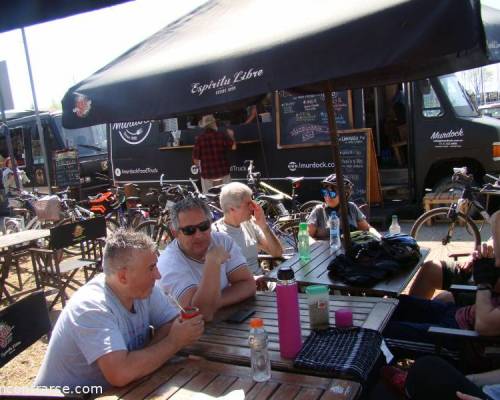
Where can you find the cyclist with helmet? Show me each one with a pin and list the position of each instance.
(318, 219)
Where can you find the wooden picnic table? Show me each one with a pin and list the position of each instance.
(11, 244)
(187, 378)
(228, 342)
(315, 272)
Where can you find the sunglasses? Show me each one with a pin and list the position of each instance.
(328, 192)
(191, 229)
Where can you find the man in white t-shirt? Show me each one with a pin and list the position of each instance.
(102, 337)
(245, 222)
(202, 268)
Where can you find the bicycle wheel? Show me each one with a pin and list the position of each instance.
(308, 206)
(160, 233)
(453, 237)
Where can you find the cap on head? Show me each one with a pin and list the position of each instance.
(208, 121)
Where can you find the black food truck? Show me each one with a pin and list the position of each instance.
(409, 136)
(90, 143)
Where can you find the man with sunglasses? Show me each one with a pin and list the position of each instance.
(202, 268)
(318, 219)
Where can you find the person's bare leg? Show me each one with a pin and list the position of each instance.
(428, 279)
(444, 296)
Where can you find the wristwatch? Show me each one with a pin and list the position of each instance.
(484, 286)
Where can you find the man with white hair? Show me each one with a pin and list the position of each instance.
(245, 222)
(102, 337)
(210, 153)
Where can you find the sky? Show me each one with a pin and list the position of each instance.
(65, 51)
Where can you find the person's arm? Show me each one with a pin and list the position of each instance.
(363, 225)
(495, 235)
(252, 116)
(230, 134)
(122, 367)
(242, 287)
(206, 296)
(269, 242)
(485, 378)
(487, 321)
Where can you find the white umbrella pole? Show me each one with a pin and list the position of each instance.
(47, 162)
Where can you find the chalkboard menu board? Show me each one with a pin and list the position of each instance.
(66, 168)
(355, 157)
(303, 121)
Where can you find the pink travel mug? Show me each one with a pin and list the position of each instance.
(343, 318)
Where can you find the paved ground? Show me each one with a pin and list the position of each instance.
(432, 236)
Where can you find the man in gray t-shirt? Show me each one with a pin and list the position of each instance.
(102, 337)
(245, 222)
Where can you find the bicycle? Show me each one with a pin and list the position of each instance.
(461, 234)
(159, 229)
(273, 204)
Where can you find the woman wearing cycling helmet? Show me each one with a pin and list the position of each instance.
(318, 219)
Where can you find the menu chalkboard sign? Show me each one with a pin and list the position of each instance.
(355, 157)
(303, 121)
(66, 168)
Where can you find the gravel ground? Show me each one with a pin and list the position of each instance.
(22, 370)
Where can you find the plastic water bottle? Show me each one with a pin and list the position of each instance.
(288, 313)
(394, 228)
(303, 238)
(261, 364)
(334, 224)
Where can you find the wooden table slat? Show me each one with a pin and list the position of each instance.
(182, 378)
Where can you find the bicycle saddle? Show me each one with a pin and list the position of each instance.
(295, 179)
(272, 197)
(215, 189)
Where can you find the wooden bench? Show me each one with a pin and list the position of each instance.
(440, 199)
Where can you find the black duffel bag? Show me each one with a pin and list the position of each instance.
(375, 260)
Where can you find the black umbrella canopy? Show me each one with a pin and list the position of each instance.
(226, 51)
(21, 13)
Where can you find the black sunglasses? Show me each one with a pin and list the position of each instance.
(191, 229)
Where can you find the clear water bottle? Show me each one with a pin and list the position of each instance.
(303, 238)
(261, 364)
(394, 228)
(334, 224)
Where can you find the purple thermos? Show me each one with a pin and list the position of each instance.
(288, 313)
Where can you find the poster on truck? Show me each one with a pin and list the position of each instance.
(134, 151)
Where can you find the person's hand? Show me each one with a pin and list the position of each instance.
(258, 213)
(230, 133)
(185, 332)
(483, 251)
(463, 396)
(466, 265)
(217, 255)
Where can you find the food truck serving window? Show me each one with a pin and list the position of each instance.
(458, 98)
(431, 106)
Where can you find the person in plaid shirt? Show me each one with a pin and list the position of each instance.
(210, 153)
